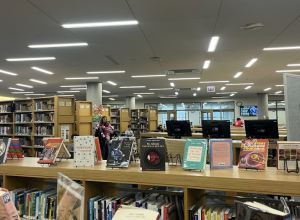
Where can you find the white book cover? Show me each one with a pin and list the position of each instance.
(84, 151)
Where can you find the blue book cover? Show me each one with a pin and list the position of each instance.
(40, 199)
(195, 154)
(91, 206)
(220, 151)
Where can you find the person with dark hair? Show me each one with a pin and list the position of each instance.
(70, 147)
(238, 123)
(103, 131)
(159, 128)
(129, 132)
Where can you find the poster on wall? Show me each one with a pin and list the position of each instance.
(65, 132)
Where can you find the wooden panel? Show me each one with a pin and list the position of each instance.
(85, 129)
(191, 197)
(125, 114)
(15, 182)
(124, 126)
(64, 107)
(86, 119)
(106, 112)
(66, 119)
(153, 114)
(153, 125)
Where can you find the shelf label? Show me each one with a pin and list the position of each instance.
(87, 107)
(60, 103)
(124, 110)
(81, 106)
(69, 104)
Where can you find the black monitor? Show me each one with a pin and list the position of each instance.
(261, 129)
(179, 128)
(216, 128)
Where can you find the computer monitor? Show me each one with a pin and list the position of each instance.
(261, 129)
(179, 128)
(216, 128)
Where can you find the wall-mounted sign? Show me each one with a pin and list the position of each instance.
(211, 89)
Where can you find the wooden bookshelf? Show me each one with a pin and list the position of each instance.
(84, 118)
(152, 119)
(106, 112)
(19, 173)
(115, 119)
(134, 121)
(124, 119)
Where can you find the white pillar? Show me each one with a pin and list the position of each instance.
(262, 105)
(94, 92)
(130, 102)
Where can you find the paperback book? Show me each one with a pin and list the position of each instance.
(220, 151)
(153, 154)
(84, 151)
(4, 145)
(289, 151)
(15, 150)
(98, 149)
(195, 154)
(8, 210)
(51, 151)
(119, 154)
(254, 154)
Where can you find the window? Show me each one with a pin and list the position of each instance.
(162, 109)
(189, 111)
(115, 105)
(221, 110)
(276, 110)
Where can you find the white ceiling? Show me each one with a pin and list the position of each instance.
(176, 30)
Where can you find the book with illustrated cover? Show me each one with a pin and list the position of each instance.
(4, 146)
(15, 150)
(195, 154)
(220, 153)
(119, 153)
(289, 150)
(51, 151)
(254, 154)
(84, 151)
(8, 210)
(153, 154)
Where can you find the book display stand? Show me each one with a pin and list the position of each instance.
(176, 158)
(287, 169)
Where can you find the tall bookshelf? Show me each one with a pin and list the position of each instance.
(115, 119)
(153, 119)
(6, 119)
(84, 118)
(106, 112)
(124, 119)
(134, 121)
(147, 120)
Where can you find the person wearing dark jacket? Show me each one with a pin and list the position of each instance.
(103, 131)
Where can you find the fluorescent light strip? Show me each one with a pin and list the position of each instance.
(65, 95)
(15, 89)
(220, 97)
(112, 83)
(213, 44)
(267, 89)
(162, 89)
(82, 78)
(282, 48)
(294, 64)
(278, 92)
(33, 94)
(176, 93)
(251, 62)
(24, 85)
(248, 87)
(172, 84)
(31, 59)
(279, 85)
(220, 93)
(111, 99)
(213, 81)
(232, 95)
(67, 91)
(206, 64)
(168, 97)
(105, 91)
(131, 87)
(100, 24)
(141, 76)
(139, 96)
(8, 73)
(103, 72)
(107, 96)
(77, 88)
(238, 74)
(74, 86)
(223, 88)
(184, 78)
(282, 101)
(198, 89)
(21, 92)
(287, 71)
(239, 84)
(41, 70)
(57, 45)
(144, 93)
(194, 94)
(37, 81)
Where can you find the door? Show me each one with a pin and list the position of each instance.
(207, 114)
(172, 115)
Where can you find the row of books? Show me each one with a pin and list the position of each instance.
(134, 120)
(114, 113)
(210, 213)
(5, 108)
(22, 107)
(115, 120)
(143, 120)
(41, 106)
(25, 141)
(19, 130)
(168, 207)
(39, 117)
(134, 113)
(38, 142)
(134, 126)
(144, 126)
(23, 118)
(6, 130)
(44, 130)
(144, 114)
(5, 118)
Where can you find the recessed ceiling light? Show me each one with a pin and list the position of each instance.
(176, 93)
(294, 64)
(213, 44)
(141, 76)
(279, 85)
(223, 88)
(267, 89)
(41, 70)
(111, 99)
(232, 95)
(162, 89)
(82, 78)
(139, 96)
(213, 81)
(287, 71)
(278, 92)
(57, 45)
(112, 83)
(248, 87)
(251, 62)
(24, 85)
(198, 89)
(105, 91)
(78, 88)
(184, 78)
(103, 72)
(31, 59)
(239, 84)
(21, 92)
(15, 89)
(206, 64)
(172, 84)
(144, 93)
(8, 73)
(74, 86)
(194, 94)
(131, 87)
(107, 96)
(238, 74)
(282, 48)
(33, 94)
(67, 91)
(100, 24)
(37, 81)
(219, 93)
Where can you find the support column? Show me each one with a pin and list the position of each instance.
(94, 92)
(130, 102)
(262, 105)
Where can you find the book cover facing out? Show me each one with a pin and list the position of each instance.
(15, 150)
(153, 154)
(51, 151)
(195, 154)
(220, 153)
(8, 210)
(84, 151)
(4, 145)
(289, 150)
(254, 154)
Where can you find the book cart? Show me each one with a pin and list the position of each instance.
(98, 180)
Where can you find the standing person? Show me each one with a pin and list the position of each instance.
(129, 132)
(238, 123)
(103, 133)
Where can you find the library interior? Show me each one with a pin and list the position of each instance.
(148, 109)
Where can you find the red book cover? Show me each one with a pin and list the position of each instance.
(98, 150)
(51, 150)
(254, 154)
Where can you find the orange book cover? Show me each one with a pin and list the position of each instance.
(98, 150)
(254, 154)
(15, 150)
(51, 150)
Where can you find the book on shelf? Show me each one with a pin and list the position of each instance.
(19, 118)
(40, 117)
(98, 149)
(4, 146)
(51, 151)
(84, 151)
(153, 154)
(44, 130)
(6, 130)
(22, 107)
(220, 153)
(15, 150)
(289, 151)
(119, 153)
(42, 105)
(23, 130)
(5, 108)
(5, 119)
(254, 154)
(8, 210)
(134, 114)
(195, 153)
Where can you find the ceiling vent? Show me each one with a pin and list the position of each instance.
(252, 26)
(180, 72)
